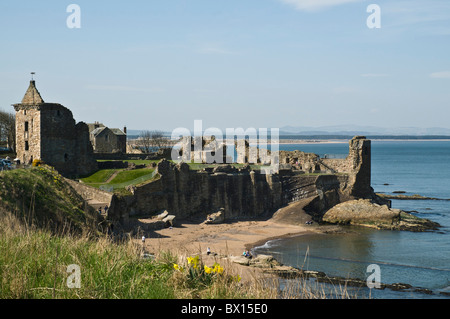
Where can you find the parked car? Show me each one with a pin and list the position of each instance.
(5, 164)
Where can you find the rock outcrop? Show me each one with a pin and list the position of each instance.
(364, 212)
(216, 218)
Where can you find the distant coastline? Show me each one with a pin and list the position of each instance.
(338, 141)
(331, 138)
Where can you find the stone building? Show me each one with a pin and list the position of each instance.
(107, 140)
(48, 132)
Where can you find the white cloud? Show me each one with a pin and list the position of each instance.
(430, 15)
(314, 5)
(440, 75)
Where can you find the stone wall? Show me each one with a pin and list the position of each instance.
(89, 193)
(186, 193)
(243, 193)
(357, 165)
(240, 192)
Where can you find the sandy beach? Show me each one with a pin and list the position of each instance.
(188, 237)
(230, 238)
(224, 240)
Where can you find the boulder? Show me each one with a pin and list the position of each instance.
(364, 212)
(216, 218)
(264, 261)
(163, 215)
(169, 220)
(361, 212)
(241, 260)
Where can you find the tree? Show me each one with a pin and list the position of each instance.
(151, 141)
(8, 129)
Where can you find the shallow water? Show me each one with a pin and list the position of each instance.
(419, 259)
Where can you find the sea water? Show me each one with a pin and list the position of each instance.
(419, 259)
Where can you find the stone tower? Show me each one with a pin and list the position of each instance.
(359, 160)
(48, 132)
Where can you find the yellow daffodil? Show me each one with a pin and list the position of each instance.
(218, 269)
(194, 261)
(208, 270)
(177, 267)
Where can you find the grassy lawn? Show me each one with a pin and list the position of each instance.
(127, 176)
(137, 162)
(199, 166)
(121, 180)
(99, 177)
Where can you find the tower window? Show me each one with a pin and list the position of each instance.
(26, 126)
(66, 157)
(27, 147)
(58, 112)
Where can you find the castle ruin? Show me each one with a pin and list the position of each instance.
(243, 192)
(48, 132)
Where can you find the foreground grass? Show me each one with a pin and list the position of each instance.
(34, 264)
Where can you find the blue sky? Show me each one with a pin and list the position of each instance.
(160, 64)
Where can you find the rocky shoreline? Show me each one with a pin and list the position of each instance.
(400, 196)
(269, 265)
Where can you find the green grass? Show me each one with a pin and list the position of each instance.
(121, 180)
(99, 177)
(34, 265)
(200, 166)
(137, 162)
(23, 190)
(127, 176)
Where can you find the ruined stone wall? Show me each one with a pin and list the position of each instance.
(58, 137)
(64, 144)
(243, 193)
(357, 164)
(84, 154)
(240, 192)
(360, 160)
(89, 193)
(187, 193)
(307, 162)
